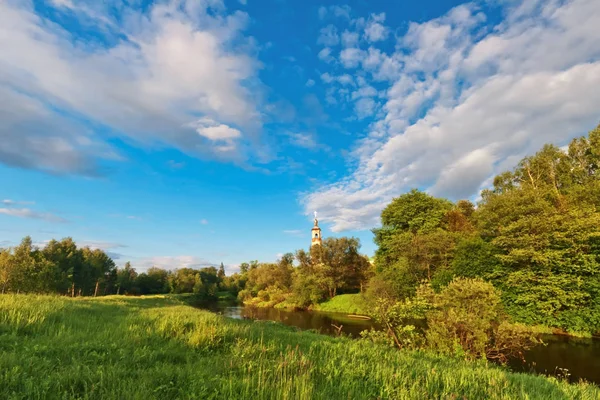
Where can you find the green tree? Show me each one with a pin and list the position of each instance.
(126, 278)
(417, 240)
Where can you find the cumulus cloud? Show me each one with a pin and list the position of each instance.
(375, 30)
(349, 39)
(146, 75)
(351, 57)
(462, 105)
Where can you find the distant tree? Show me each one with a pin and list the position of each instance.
(153, 281)
(183, 280)
(221, 273)
(126, 278)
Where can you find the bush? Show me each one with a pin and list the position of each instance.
(466, 318)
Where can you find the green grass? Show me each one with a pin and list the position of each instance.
(345, 303)
(159, 348)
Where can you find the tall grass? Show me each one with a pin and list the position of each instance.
(158, 348)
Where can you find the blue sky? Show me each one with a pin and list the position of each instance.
(192, 132)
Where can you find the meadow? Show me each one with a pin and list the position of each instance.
(158, 347)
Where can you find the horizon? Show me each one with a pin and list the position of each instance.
(193, 133)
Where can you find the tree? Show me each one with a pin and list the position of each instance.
(334, 266)
(469, 313)
(543, 220)
(7, 269)
(126, 278)
(183, 280)
(153, 281)
(417, 239)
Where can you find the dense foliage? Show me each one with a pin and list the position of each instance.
(535, 236)
(157, 348)
(321, 273)
(465, 319)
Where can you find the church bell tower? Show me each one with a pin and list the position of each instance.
(316, 233)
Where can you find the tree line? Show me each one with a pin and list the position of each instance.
(61, 267)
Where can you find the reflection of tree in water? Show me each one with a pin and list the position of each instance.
(305, 320)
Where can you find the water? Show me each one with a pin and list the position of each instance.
(326, 323)
(571, 358)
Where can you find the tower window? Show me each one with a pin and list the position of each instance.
(316, 235)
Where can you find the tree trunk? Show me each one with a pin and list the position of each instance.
(96, 290)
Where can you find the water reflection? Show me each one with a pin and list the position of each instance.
(571, 358)
(326, 323)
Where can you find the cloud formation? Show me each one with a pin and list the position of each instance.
(464, 102)
(176, 74)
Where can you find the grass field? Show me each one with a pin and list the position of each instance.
(159, 348)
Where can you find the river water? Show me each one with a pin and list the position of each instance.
(573, 358)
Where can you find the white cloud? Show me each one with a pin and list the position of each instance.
(328, 36)
(325, 55)
(304, 140)
(351, 57)
(344, 79)
(204, 222)
(31, 214)
(310, 83)
(349, 39)
(8, 202)
(96, 244)
(462, 105)
(173, 262)
(147, 78)
(375, 30)
(364, 107)
(342, 11)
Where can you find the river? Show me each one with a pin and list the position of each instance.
(564, 356)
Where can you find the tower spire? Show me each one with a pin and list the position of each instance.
(316, 233)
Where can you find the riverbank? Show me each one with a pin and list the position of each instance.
(356, 304)
(158, 347)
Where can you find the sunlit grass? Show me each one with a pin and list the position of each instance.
(345, 303)
(158, 348)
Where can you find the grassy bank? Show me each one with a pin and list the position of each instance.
(157, 347)
(345, 303)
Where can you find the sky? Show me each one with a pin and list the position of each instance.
(186, 133)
